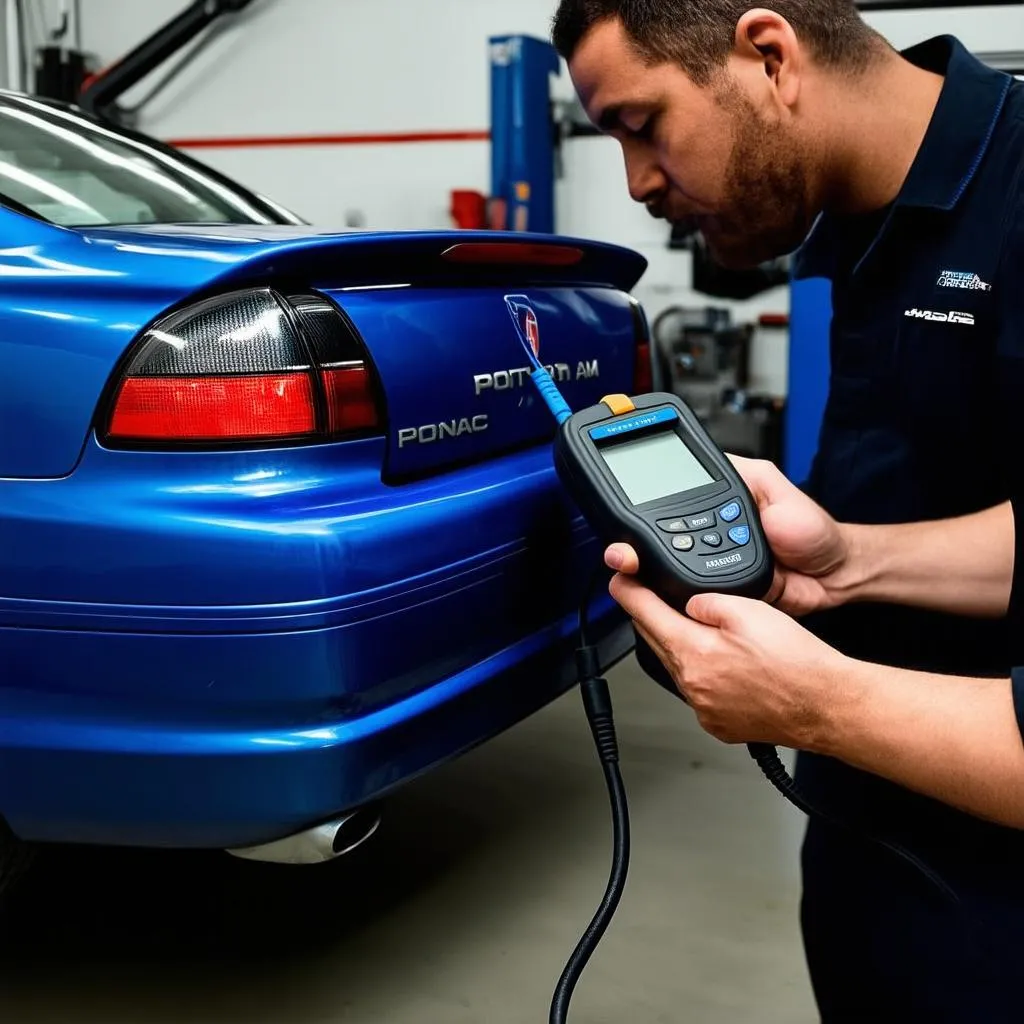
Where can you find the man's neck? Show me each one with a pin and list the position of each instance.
(873, 132)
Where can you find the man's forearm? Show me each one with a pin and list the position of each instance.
(963, 566)
(951, 738)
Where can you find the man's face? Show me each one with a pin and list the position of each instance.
(702, 157)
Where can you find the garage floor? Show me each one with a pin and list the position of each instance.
(462, 909)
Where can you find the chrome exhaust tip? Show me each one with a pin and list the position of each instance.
(318, 844)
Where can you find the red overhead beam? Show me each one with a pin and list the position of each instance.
(378, 138)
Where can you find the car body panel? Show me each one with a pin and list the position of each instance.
(216, 645)
(83, 296)
(148, 773)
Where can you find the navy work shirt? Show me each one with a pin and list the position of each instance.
(924, 420)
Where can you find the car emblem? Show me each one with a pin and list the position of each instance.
(525, 320)
(532, 331)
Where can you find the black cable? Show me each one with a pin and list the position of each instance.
(598, 706)
(768, 760)
(597, 703)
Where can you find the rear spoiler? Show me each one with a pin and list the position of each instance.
(443, 258)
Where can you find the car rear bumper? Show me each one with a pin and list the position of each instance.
(204, 651)
(82, 771)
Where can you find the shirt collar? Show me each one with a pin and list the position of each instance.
(956, 140)
(961, 127)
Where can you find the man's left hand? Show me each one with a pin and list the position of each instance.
(750, 672)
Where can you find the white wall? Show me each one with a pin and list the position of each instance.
(289, 67)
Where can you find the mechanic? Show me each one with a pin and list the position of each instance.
(898, 176)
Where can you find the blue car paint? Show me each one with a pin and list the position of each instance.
(81, 296)
(217, 648)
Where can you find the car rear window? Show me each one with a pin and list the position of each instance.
(70, 171)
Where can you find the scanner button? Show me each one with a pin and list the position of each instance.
(673, 525)
(713, 540)
(701, 522)
(730, 511)
(740, 534)
(684, 543)
(619, 404)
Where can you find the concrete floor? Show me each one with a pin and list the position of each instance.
(463, 908)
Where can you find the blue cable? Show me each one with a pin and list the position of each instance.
(546, 386)
(552, 396)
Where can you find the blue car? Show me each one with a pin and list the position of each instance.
(279, 524)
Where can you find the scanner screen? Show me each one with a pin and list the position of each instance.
(655, 466)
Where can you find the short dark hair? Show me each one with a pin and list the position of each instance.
(699, 35)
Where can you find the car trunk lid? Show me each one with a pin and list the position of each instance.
(455, 374)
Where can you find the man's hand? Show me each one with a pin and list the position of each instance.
(750, 673)
(813, 555)
(754, 675)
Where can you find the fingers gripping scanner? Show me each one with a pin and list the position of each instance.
(644, 471)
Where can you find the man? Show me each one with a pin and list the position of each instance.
(900, 177)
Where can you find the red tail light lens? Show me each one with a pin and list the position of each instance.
(643, 378)
(248, 366)
(350, 404)
(213, 408)
(643, 369)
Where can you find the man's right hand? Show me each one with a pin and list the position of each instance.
(812, 551)
(961, 566)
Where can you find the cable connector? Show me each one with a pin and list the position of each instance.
(588, 664)
(597, 702)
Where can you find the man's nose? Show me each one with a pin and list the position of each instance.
(643, 177)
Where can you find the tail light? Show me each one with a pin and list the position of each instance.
(248, 366)
(643, 370)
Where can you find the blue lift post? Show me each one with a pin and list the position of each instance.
(809, 318)
(522, 133)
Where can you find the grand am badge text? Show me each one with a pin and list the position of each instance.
(504, 380)
(499, 380)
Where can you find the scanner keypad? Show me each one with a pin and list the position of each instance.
(710, 552)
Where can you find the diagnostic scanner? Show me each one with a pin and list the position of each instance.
(643, 470)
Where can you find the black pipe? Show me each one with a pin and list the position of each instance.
(100, 94)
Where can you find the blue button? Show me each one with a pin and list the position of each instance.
(739, 534)
(731, 511)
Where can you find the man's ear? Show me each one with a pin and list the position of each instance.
(765, 41)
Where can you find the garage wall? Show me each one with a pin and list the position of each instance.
(292, 67)
(3, 49)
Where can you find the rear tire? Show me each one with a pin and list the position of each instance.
(15, 857)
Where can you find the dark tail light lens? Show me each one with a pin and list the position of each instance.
(248, 366)
(643, 370)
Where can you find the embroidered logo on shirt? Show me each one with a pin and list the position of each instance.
(962, 279)
(952, 317)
